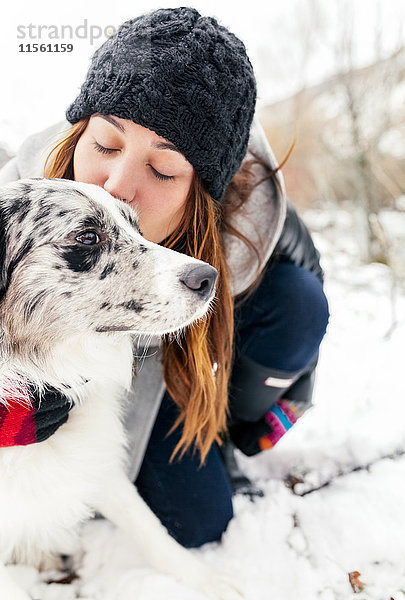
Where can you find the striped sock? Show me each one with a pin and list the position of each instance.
(281, 417)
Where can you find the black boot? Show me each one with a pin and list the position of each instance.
(239, 482)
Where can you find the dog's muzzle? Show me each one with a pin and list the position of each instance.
(201, 279)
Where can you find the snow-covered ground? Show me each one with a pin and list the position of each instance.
(286, 545)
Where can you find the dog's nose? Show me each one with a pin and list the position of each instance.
(201, 279)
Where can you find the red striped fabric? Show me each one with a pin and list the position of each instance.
(17, 424)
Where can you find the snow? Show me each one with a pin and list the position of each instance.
(286, 545)
(392, 141)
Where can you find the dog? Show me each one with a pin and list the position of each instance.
(77, 280)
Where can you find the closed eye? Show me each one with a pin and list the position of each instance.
(156, 173)
(160, 175)
(104, 150)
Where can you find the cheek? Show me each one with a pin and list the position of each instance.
(159, 214)
(160, 201)
(86, 168)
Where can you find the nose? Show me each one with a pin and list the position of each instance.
(201, 279)
(119, 185)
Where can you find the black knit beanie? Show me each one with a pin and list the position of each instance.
(185, 77)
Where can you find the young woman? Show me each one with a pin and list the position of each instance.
(165, 122)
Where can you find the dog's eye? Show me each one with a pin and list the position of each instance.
(88, 237)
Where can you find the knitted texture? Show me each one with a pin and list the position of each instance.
(29, 418)
(185, 77)
(254, 437)
(280, 418)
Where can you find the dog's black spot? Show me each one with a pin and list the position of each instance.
(44, 231)
(22, 215)
(81, 258)
(3, 235)
(33, 303)
(26, 247)
(142, 248)
(132, 305)
(135, 264)
(25, 188)
(19, 209)
(67, 294)
(44, 204)
(105, 305)
(94, 222)
(108, 269)
(79, 193)
(13, 208)
(122, 211)
(52, 191)
(130, 216)
(62, 213)
(43, 214)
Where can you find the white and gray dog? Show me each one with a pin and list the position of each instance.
(76, 280)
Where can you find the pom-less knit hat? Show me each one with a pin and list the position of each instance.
(185, 77)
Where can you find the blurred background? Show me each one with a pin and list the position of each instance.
(331, 77)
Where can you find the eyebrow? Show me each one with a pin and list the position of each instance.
(157, 145)
(113, 121)
(166, 146)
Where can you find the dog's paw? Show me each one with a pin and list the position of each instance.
(50, 562)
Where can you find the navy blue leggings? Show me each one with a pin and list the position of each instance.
(195, 504)
(282, 324)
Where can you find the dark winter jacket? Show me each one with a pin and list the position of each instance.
(296, 245)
